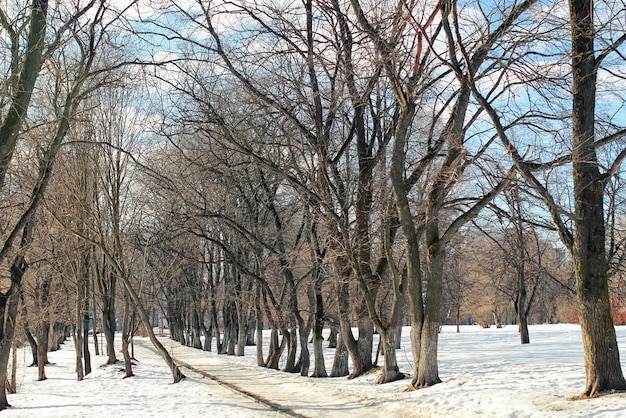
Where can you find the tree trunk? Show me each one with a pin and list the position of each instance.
(292, 347)
(8, 313)
(208, 338)
(259, 344)
(259, 328)
(13, 382)
(390, 371)
(411, 240)
(242, 331)
(127, 335)
(32, 342)
(340, 361)
(334, 332)
(428, 369)
(145, 319)
(365, 344)
(109, 323)
(319, 368)
(42, 349)
(397, 337)
(196, 341)
(85, 333)
(78, 348)
(602, 363)
(360, 365)
(12, 123)
(276, 349)
(523, 328)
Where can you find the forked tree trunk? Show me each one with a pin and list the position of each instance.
(602, 363)
(276, 349)
(359, 364)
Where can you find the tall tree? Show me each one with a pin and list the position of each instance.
(587, 240)
(602, 365)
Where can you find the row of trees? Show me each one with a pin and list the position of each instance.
(330, 163)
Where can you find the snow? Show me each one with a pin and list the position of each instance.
(486, 373)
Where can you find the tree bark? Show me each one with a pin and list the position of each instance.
(29, 72)
(42, 349)
(319, 368)
(108, 285)
(340, 361)
(602, 363)
(390, 371)
(8, 313)
(127, 335)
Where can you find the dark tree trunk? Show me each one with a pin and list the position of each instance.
(251, 331)
(334, 332)
(86, 353)
(276, 349)
(319, 369)
(602, 363)
(523, 329)
(365, 344)
(196, 341)
(292, 347)
(208, 338)
(231, 327)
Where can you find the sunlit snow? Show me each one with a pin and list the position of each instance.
(486, 373)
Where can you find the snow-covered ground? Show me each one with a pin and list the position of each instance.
(486, 373)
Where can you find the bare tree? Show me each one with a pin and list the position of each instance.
(587, 240)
